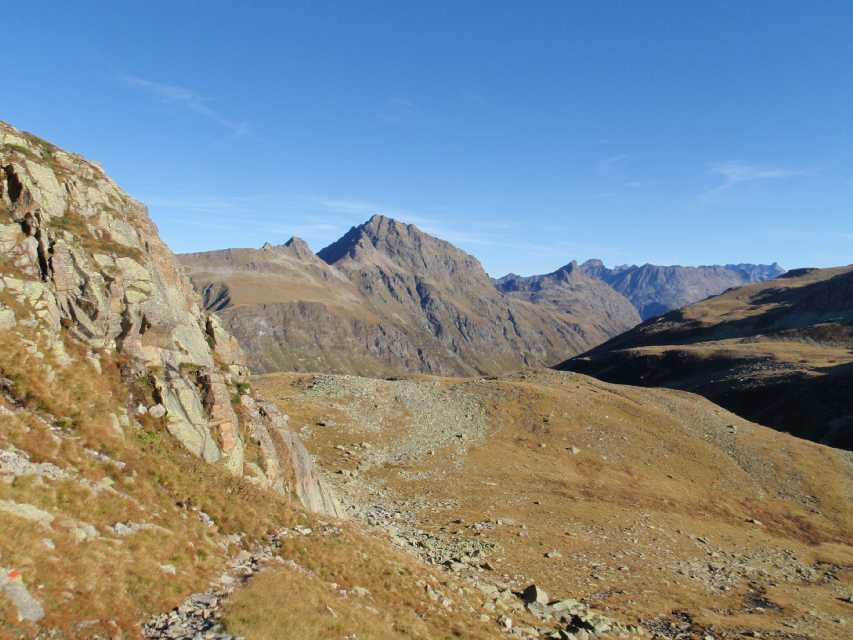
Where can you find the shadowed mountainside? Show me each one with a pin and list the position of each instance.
(779, 353)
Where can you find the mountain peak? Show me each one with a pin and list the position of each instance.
(299, 247)
(381, 225)
(379, 233)
(378, 219)
(390, 244)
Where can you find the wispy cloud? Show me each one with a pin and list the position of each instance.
(640, 184)
(185, 98)
(318, 219)
(396, 110)
(359, 210)
(735, 173)
(606, 164)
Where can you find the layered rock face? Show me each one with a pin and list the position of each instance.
(389, 299)
(779, 353)
(655, 289)
(84, 277)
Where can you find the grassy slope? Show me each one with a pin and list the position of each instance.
(656, 470)
(780, 353)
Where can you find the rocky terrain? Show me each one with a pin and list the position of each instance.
(388, 299)
(150, 488)
(655, 289)
(127, 421)
(146, 490)
(779, 353)
(581, 509)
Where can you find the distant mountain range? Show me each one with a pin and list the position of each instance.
(387, 299)
(652, 289)
(778, 352)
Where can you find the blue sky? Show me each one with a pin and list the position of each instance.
(529, 134)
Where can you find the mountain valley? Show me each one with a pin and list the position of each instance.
(152, 487)
(389, 299)
(655, 507)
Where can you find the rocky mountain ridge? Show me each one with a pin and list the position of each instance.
(652, 289)
(387, 299)
(656, 289)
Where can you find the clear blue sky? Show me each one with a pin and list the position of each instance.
(527, 133)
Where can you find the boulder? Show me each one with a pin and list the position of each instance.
(534, 593)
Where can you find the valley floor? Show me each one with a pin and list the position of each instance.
(655, 507)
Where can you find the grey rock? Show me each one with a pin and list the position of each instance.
(12, 586)
(157, 411)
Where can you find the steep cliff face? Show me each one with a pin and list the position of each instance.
(85, 279)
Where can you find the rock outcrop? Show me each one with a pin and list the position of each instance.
(389, 299)
(85, 277)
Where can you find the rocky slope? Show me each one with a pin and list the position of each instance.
(779, 353)
(388, 299)
(625, 506)
(654, 289)
(114, 386)
(145, 490)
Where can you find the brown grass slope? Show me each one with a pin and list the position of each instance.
(664, 507)
(117, 394)
(779, 353)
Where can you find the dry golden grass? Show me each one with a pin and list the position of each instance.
(306, 601)
(656, 469)
(116, 582)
